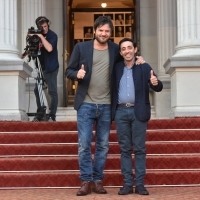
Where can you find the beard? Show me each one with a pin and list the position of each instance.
(101, 41)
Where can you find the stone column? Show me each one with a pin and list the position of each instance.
(166, 30)
(12, 71)
(167, 40)
(184, 65)
(8, 30)
(30, 10)
(188, 28)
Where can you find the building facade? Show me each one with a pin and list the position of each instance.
(166, 31)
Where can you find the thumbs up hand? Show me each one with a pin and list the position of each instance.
(81, 72)
(153, 79)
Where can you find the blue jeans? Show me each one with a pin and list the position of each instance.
(131, 134)
(87, 115)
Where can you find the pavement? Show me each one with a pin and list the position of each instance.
(156, 193)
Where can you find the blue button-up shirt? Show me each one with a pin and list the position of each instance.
(127, 88)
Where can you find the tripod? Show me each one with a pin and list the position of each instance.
(40, 91)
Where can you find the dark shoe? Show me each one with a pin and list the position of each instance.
(51, 119)
(97, 187)
(40, 114)
(140, 189)
(85, 189)
(125, 190)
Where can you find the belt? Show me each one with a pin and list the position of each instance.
(125, 105)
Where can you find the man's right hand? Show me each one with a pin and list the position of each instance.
(140, 60)
(81, 72)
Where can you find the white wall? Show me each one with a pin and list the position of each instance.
(54, 12)
(148, 32)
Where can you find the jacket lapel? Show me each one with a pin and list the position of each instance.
(89, 50)
(111, 56)
(120, 69)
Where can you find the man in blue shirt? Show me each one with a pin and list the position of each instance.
(49, 63)
(131, 111)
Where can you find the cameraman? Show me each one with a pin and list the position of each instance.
(49, 63)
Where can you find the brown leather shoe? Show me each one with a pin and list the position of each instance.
(97, 187)
(85, 189)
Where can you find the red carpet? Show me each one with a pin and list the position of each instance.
(45, 154)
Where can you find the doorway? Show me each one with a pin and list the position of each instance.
(80, 16)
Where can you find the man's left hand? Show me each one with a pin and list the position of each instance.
(153, 79)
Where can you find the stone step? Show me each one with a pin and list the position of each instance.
(56, 162)
(155, 147)
(112, 178)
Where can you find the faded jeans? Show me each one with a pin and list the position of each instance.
(91, 169)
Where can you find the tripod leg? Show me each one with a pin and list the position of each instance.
(41, 108)
(45, 89)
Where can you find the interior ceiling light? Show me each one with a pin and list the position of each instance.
(103, 5)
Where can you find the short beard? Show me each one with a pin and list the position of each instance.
(101, 42)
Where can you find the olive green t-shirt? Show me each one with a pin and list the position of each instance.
(99, 87)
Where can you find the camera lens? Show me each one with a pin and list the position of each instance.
(35, 39)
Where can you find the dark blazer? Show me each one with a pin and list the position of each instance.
(83, 54)
(141, 78)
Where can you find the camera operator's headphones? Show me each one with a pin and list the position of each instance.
(41, 20)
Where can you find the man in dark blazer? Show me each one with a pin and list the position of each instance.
(91, 64)
(131, 111)
(80, 64)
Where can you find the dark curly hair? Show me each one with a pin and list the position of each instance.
(125, 40)
(102, 20)
(40, 20)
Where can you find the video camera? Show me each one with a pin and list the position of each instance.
(32, 47)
